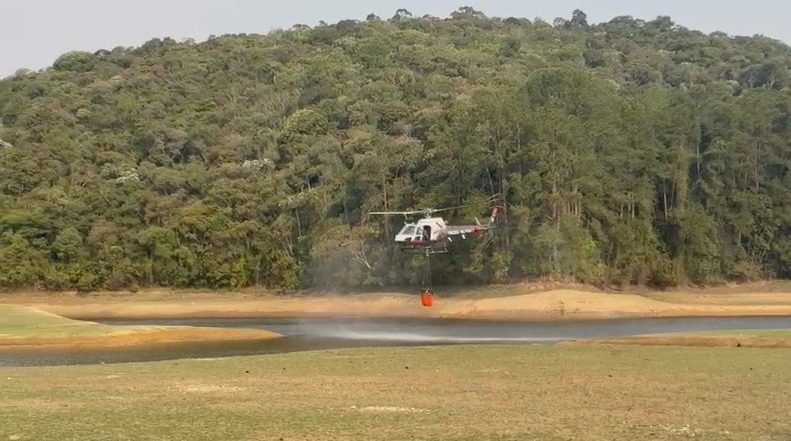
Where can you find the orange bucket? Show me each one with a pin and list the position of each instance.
(426, 299)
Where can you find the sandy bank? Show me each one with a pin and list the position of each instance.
(550, 305)
(134, 337)
(579, 304)
(28, 327)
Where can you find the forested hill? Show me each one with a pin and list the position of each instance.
(627, 152)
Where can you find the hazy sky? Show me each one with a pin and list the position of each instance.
(34, 33)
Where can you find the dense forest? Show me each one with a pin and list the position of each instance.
(626, 152)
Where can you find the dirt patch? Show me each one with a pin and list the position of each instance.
(389, 409)
(555, 304)
(329, 306)
(39, 405)
(207, 388)
(579, 304)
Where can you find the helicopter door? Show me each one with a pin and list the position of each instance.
(426, 232)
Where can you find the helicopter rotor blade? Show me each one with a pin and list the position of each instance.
(438, 210)
(395, 212)
(430, 211)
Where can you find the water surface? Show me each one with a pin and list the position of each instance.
(302, 334)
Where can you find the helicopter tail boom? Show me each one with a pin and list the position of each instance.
(478, 228)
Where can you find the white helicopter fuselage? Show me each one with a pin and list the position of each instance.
(426, 230)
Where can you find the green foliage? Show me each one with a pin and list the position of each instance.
(627, 152)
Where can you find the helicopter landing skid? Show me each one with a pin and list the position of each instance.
(438, 248)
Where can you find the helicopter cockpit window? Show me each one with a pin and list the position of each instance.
(407, 230)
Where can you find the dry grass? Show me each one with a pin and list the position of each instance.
(455, 393)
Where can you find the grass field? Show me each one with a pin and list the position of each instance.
(29, 327)
(453, 393)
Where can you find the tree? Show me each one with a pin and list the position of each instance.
(579, 18)
(626, 152)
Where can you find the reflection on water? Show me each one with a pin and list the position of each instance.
(303, 334)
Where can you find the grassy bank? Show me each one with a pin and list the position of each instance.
(769, 338)
(453, 393)
(24, 327)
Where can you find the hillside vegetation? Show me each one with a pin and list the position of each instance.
(627, 152)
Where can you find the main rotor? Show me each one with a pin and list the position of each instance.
(426, 212)
(429, 212)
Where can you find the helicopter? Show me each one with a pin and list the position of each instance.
(431, 235)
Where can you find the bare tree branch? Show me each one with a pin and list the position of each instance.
(359, 256)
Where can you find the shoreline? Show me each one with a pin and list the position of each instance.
(742, 339)
(136, 338)
(492, 316)
(26, 327)
(73, 314)
(553, 305)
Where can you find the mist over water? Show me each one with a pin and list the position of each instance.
(415, 337)
(414, 331)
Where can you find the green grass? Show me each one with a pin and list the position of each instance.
(782, 333)
(778, 333)
(748, 338)
(29, 327)
(454, 393)
(20, 321)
